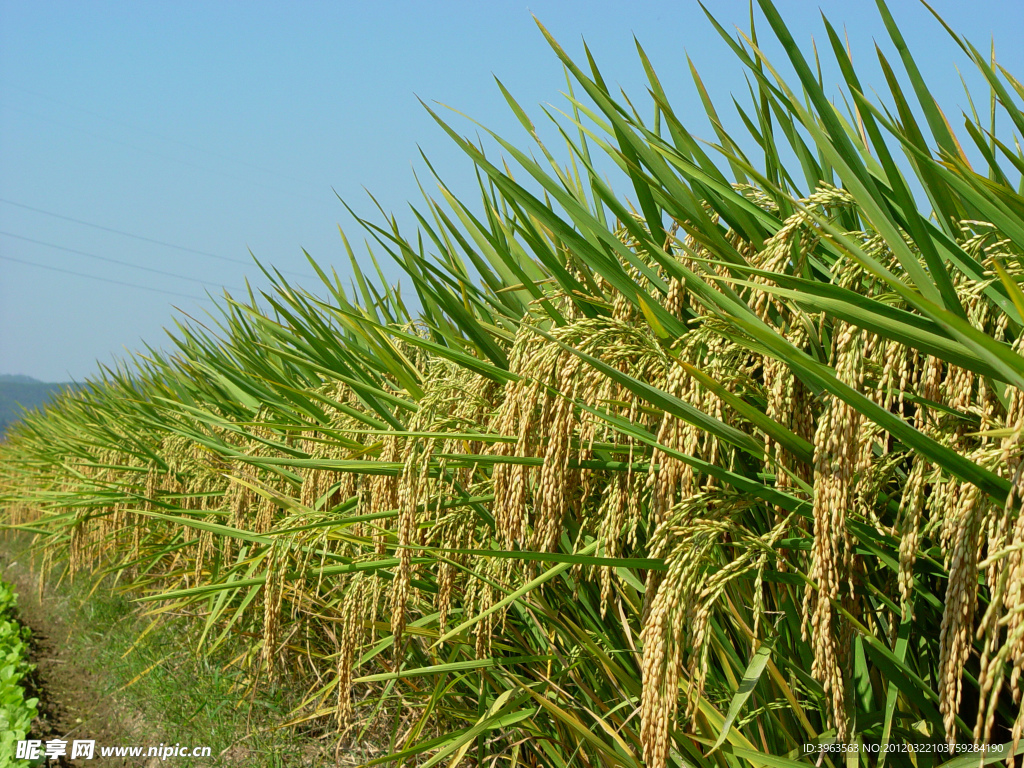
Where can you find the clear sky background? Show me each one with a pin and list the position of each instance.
(220, 127)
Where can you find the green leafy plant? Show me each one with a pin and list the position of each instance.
(16, 712)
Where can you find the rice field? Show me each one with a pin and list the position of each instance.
(698, 472)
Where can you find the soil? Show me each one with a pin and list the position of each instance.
(71, 699)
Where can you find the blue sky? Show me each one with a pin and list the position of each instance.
(220, 127)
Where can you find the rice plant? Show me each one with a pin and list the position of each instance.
(697, 473)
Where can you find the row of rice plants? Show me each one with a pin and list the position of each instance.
(698, 483)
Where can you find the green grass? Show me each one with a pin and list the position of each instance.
(185, 697)
(172, 692)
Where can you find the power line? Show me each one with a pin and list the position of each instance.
(102, 279)
(140, 237)
(170, 159)
(108, 259)
(120, 232)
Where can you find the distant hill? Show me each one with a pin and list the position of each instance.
(19, 392)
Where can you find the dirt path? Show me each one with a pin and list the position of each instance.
(71, 699)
